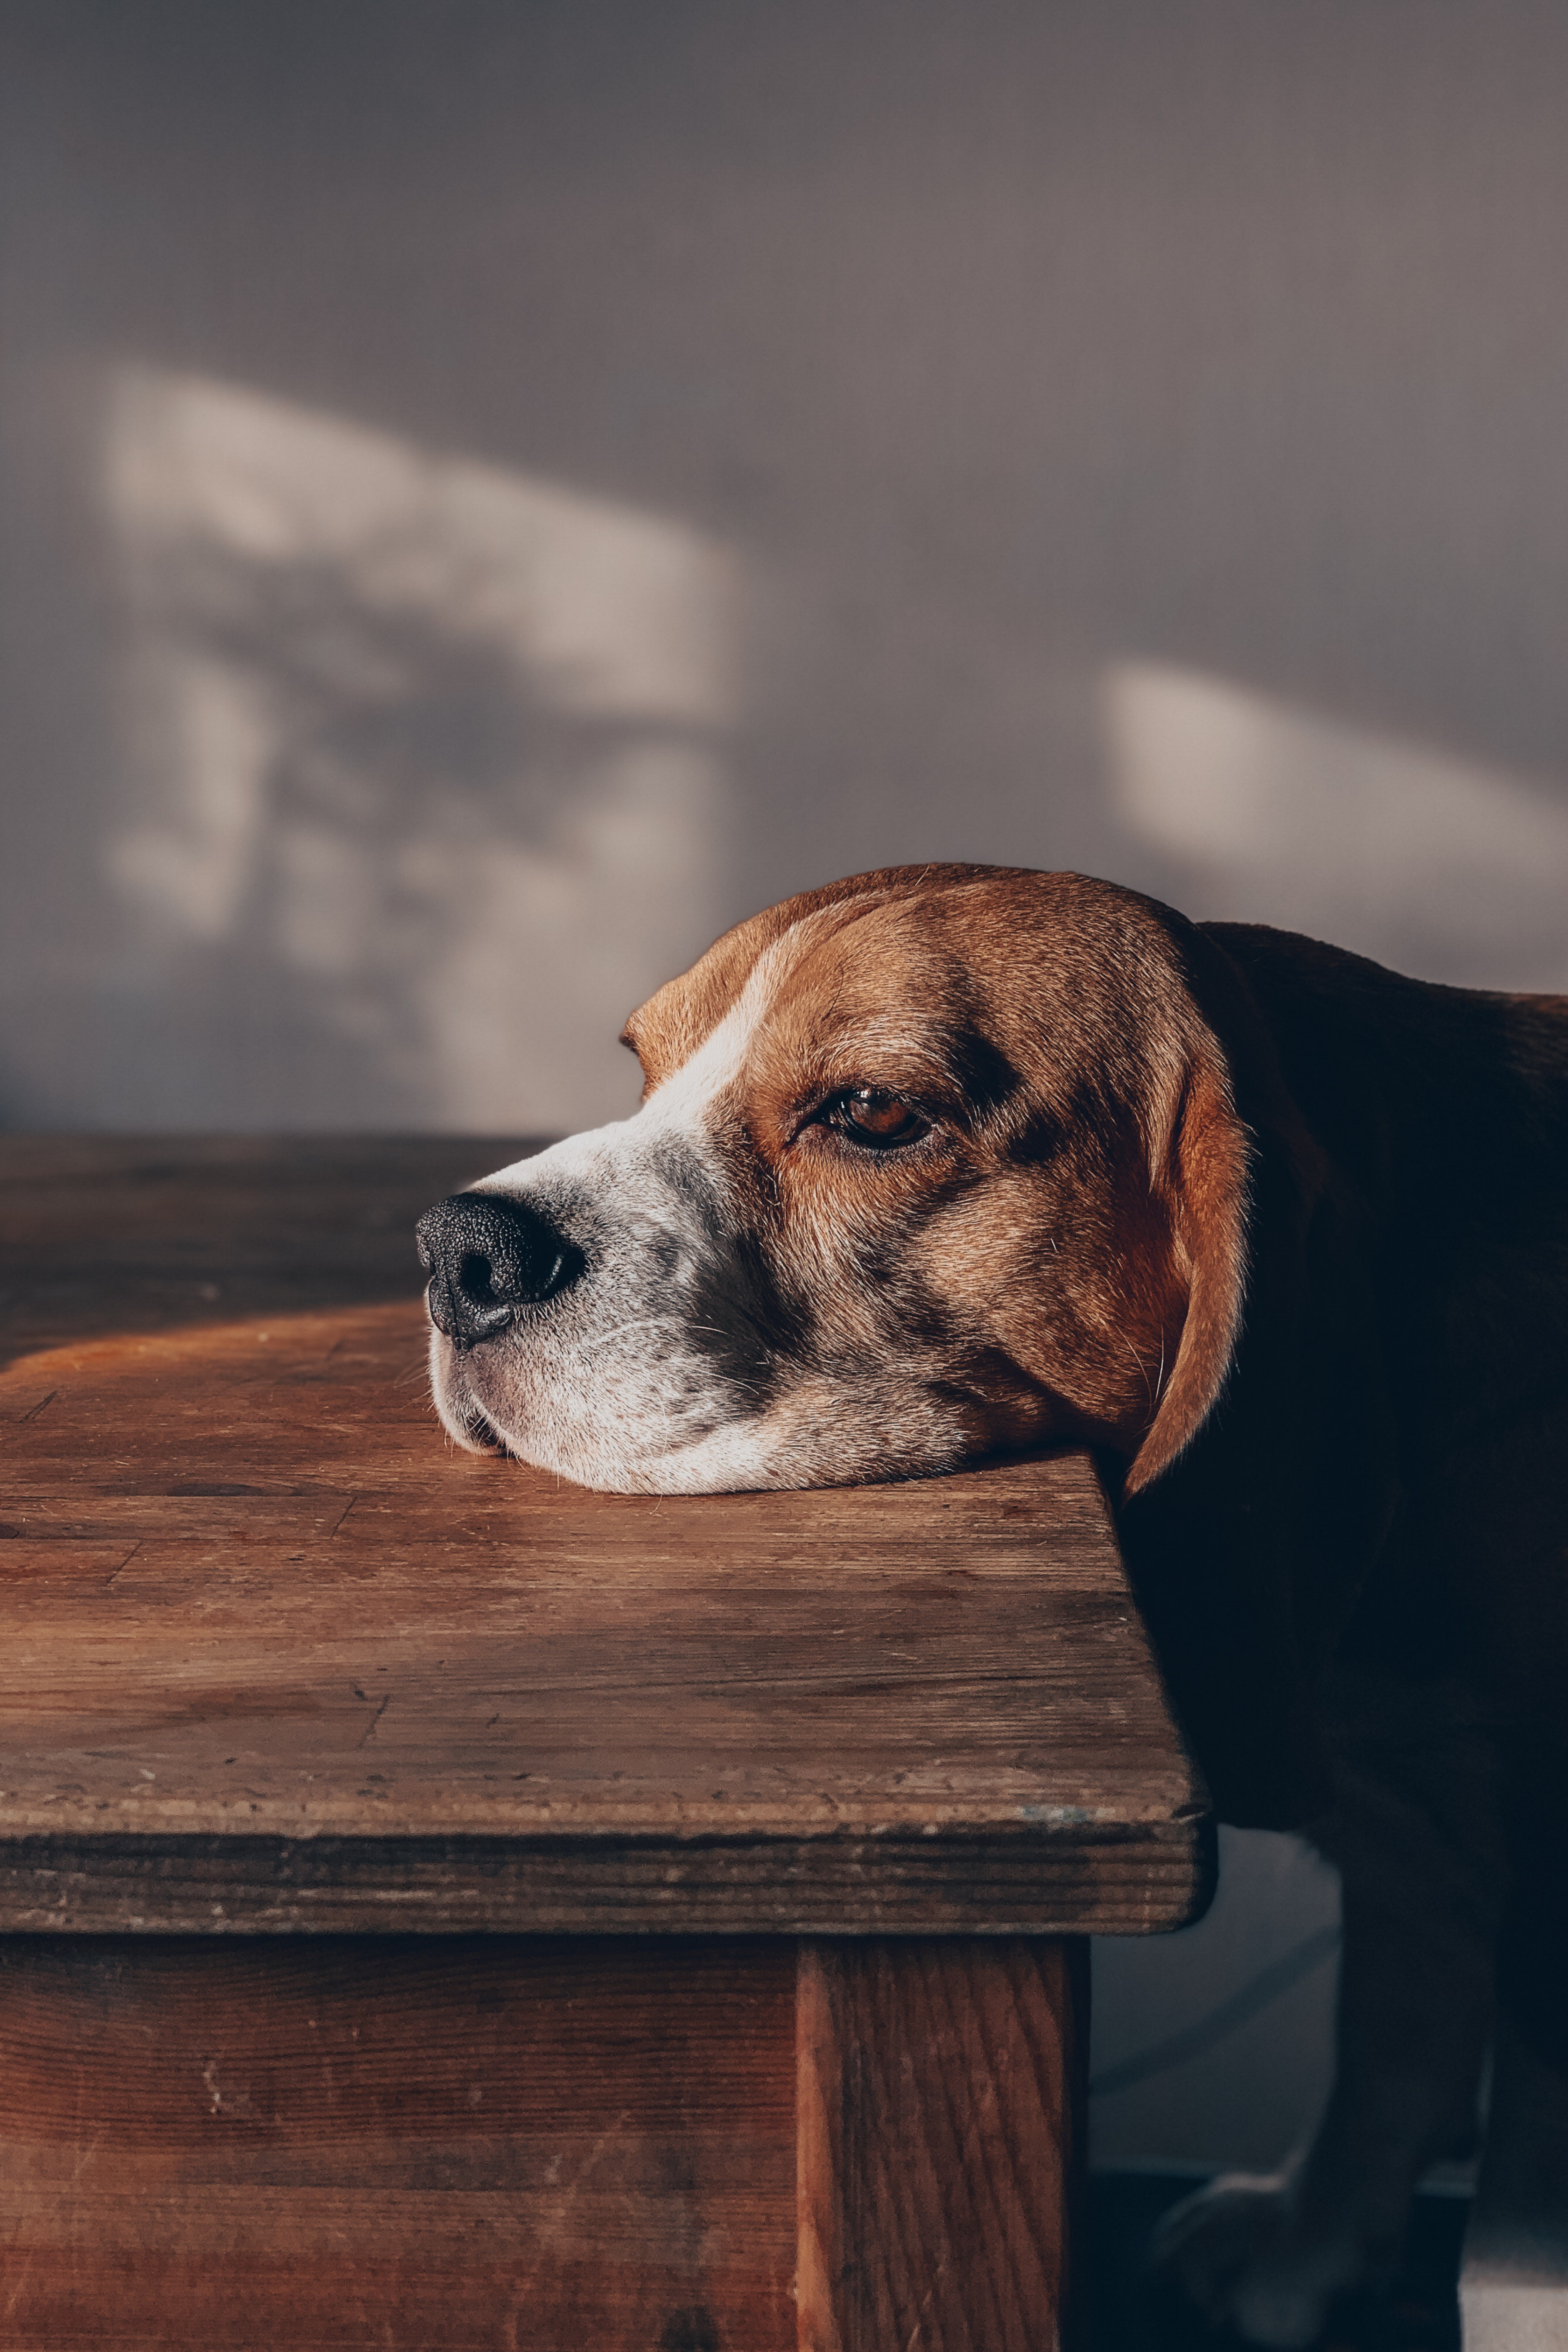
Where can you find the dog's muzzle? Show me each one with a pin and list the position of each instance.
(488, 1259)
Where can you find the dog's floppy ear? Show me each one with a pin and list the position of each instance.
(1266, 1481)
(1202, 1177)
(1212, 1520)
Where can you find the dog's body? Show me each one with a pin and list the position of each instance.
(940, 1162)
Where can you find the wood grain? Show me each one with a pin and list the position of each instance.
(277, 1658)
(939, 2106)
(401, 2145)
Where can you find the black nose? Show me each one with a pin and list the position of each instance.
(486, 1257)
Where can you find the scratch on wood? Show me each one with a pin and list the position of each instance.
(124, 1564)
(369, 1731)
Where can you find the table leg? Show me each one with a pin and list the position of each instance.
(940, 2135)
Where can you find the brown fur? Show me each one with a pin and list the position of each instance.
(1067, 1222)
(1282, 1233)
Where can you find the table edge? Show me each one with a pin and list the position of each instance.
(950, 1884)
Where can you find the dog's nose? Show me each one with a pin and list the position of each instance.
(486, 1257)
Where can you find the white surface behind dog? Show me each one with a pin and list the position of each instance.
(489, 497)
(1210, 2045)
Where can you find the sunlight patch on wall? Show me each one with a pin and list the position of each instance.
(1452, 870)
(426, 756)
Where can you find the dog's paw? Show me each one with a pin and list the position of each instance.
(1204, 2247)
(1234, 2254)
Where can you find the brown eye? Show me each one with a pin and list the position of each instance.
(879, 1120)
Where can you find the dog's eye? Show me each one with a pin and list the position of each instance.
(879, 1120)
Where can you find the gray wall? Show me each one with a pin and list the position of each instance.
(491, 493)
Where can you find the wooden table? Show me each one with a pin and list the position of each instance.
(446, 1909)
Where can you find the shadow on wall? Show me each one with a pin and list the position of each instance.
(425, 763)
(1278, 815)
(427, 784)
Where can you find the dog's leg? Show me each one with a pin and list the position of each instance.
(1417, 1839)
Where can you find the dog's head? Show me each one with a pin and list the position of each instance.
(934, 1163)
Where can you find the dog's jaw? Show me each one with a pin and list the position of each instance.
(654, 1358)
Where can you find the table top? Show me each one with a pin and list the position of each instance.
(278, 1657)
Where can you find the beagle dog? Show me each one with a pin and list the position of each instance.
(943, 1163)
